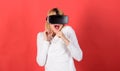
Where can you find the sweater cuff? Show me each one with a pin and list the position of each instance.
(46, 42)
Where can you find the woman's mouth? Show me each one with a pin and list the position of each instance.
(57, 26)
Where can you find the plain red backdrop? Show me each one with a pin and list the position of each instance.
(96, 23)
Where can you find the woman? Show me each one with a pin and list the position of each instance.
(57, 46)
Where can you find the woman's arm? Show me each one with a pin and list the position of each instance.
(42, 49)
(73, 45)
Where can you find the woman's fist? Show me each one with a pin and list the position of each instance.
(48, 35)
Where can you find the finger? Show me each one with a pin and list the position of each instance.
(58, 35)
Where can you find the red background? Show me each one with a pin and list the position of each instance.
(96, 23)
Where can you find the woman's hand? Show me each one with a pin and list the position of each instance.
(47, 35)
(61, 35)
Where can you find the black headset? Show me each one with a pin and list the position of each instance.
(57, 19)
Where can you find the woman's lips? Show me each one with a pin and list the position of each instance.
(57, 26)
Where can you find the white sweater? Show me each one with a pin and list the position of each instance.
(55, 55)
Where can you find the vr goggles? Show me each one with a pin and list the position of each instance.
(57, 19)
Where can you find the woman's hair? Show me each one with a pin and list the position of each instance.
(55, 11)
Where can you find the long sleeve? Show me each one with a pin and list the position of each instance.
(42, 49)
(73, 46)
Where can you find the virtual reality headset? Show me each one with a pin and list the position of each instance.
(57, 19)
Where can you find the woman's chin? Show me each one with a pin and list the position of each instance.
(56, 31)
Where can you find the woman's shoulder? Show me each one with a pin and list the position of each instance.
(39, 34)
(68, 28)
